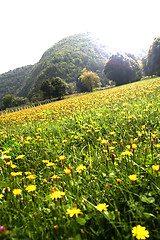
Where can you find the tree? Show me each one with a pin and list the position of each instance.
(89, 80)
(151, 64)
(54, 88)
(12, 101)
(47, 88)
(122, 69)
(59, 87)
(7, 100)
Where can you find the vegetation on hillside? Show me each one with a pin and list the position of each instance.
(123, 69)
(83, 168)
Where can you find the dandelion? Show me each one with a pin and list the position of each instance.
(54, 177)
(16, 192)
(31, 177)
(50, 164)
(20, 157)
(31, 188)
(67, 171)
(1, 196)
(140, 232)
(133, 177)
(119, 180)
(102, 206)
(56, 194)
(61, 158)
(155, 168)
(74, 212)
(80, 168)
(45, 161)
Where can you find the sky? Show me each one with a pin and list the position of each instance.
(29, 27)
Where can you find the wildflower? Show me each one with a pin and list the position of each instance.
(31, 177)
(102, 206)
(20, 157)
(127, 153)
(50, 164)
(61, 157)
(27, 173)
(74, 212)
(56, 227)
(17, 191)
(45, 161)
(13, 166)
(119, 180)
(155, 168)
(133, 177)
(45, 180)
(67, 171)
(134, 146)
(54, 177)
(140, 232)
(112, 133)
(14, 174)
(80, 168)
(104, 141)
(31, 188)
(1, 196)
(56, 194)
(157, 145)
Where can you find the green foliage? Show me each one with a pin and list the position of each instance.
(151, 62)
(12, 101)
(89, 80)
(122, 69)
(54, 88)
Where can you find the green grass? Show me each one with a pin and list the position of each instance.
(111, 134)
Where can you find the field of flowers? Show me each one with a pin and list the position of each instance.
(83, 168)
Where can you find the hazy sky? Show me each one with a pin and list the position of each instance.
(30, 27)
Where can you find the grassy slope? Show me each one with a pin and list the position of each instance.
(113, 134)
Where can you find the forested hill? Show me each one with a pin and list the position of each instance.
(64, 59)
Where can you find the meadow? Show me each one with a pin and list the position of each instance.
(83, 168)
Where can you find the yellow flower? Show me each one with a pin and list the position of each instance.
(102, 206)
(133, 177)
(140, 232)
(67, 171)
(17, 191)
(80, 168)
(104, 141)
(56, 194)
(155, 168)
(127, 153)
(31, 188)
(31, 177)
(134, 146)
(13, 166)
(61, 157)
(112, 133)
(54, 177)
(1, 196)
(50, 164)
(74, 211)
(14, 174)
(119, 180)
(27, 173)
(157, 145)
(20, 157)
(45, 161)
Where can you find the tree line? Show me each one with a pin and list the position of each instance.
(119, 69)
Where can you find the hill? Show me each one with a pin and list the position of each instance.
(64, 59)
